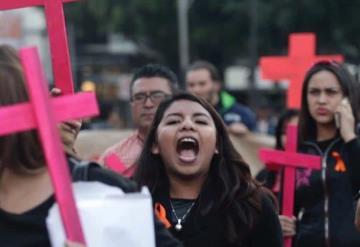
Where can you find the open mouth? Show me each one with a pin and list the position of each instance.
(188, 149)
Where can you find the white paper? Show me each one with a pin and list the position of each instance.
(109, 217)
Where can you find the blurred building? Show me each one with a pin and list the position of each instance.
(26, 27)
(105, 67)
(109, 65)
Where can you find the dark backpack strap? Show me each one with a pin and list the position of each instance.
(80, 170)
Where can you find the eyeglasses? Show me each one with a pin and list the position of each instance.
(156, 97)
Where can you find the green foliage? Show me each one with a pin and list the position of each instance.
(219, 30)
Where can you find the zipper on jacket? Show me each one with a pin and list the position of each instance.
(325, 187)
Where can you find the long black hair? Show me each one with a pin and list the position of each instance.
(234, 193)
(350, 88)
(268, 177)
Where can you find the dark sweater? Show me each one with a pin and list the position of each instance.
(208, 230)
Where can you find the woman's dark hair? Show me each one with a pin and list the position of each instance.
(21, 151)
(268, 177)
(348, 84)
(284, 118)
(235, 193)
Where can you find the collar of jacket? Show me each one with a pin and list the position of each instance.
(314, 144)
(226, 100)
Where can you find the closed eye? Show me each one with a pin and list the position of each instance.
(201, 119)
(172, 122)
(202, 122)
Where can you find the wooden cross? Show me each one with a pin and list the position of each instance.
(38, 113)
(54, 12)
(293, 68)
(290, 160)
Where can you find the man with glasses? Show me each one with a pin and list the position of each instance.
(150, 85)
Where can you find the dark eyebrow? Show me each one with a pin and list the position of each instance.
(150, 92)
(198, 114)
(332, 88)
(326, 88)
(173, 115)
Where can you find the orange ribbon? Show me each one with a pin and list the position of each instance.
(160, 213)
(340, 164)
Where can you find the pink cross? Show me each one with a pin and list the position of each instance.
(293, 68)
(290, 160)
(38, 113)
(55, 19)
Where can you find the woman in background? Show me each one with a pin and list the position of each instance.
(327, 127)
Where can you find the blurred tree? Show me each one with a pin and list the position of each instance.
(151, 24)
(219, 30)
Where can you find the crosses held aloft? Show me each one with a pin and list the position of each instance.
(55, 20)
(290, 159)
(38, 113)
(293, 68)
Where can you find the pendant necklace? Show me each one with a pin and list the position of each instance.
(178, 226)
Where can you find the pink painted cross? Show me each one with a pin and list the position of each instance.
(55, 19)
(38, 113)
(293, 68)
(290, 160)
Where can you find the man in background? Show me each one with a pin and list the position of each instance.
(203, 79)
(150, 85)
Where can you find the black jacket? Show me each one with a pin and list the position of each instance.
(208, 230)
(324, 198)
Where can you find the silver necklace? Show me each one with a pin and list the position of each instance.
(178, 225)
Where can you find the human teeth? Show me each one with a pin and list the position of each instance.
(188, 139)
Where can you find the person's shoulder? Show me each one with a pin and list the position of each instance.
(268, 202)
(117, 148)
(248, 117)
(94, 172)
(110, 150)
(106, 176)
(238, 107)
(352, 144)
(268, 225)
